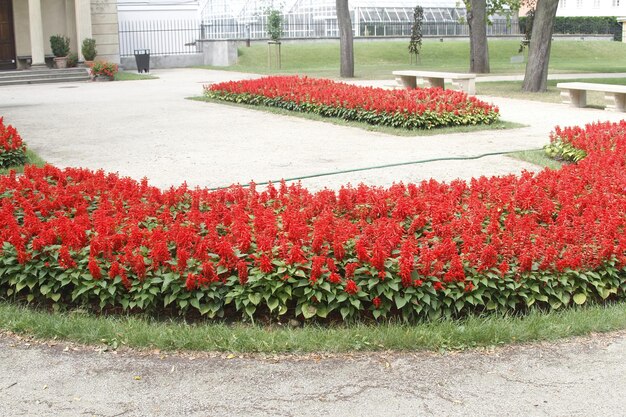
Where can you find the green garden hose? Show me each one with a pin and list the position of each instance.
(397, 164)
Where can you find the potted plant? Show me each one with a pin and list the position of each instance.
(60, 46)
(89, 51)
(103, 71)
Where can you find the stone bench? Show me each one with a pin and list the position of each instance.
(464, 82)
(575, 94)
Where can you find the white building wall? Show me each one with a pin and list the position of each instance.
(147, 10)
(591, 8)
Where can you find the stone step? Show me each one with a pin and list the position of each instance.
(66, 79)
(38, 76)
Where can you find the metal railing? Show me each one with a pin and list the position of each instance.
(328, 29)
(161, 37)
(178, 37)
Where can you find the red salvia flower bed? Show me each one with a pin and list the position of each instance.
(554, 238)
(421, 108)
(12, 149)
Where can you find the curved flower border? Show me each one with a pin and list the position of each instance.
(555, 238)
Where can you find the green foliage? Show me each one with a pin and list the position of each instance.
(275, 25)
(287, 291)
(72, 60)
(175, 335)
(89, 49)
(31, 159)
(564, 151)
(60, 45)
(11, 158)
(527, 29)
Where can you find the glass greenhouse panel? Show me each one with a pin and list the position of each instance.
(247, 19)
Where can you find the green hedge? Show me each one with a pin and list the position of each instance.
(585, 25)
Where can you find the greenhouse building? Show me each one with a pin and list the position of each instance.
(246, 19)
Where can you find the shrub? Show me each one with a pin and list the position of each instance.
(12, 149)
(72, 60)
(60, 45)
(408, 109)
(555, 238)
(89, 49)
(583, 25)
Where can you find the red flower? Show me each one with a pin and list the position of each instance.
(334, 278)
(191, 282)
(242, 271)
(351, 287)
(94, 269)
(376, 302)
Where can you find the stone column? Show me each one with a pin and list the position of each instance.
(83, 24)
(36, 33)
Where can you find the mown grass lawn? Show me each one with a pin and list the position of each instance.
(376, 60)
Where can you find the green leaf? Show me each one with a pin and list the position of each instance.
(255, 298)
(322, 311)
(400, 301)
(272, 303)
(250, 309)
(167, 279)
(308, 311)
(580, 298)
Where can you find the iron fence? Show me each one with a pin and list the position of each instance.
(161, 37)
(329, 29)
(179, 37)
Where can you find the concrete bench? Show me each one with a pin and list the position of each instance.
(464, 82)
(575, 94)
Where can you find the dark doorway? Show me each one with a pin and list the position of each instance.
(7, 36)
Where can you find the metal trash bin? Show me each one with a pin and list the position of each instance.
(142, 58)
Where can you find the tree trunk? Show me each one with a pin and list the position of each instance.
(346, 42)
(479, 49)
(536, 77)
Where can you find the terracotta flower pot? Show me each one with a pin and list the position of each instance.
(60, 62)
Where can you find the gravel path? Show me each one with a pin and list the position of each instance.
(146, 128)
(579, 377)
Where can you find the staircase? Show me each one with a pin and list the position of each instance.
(42, 76)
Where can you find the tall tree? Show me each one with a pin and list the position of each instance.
(536, 77)
(346, 40)
(478, 13)
(477, 22)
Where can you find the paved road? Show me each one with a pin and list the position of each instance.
(580, 377)
(147, 128)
